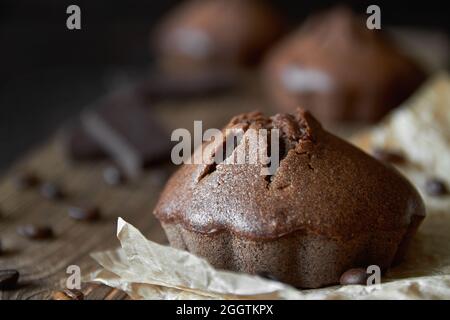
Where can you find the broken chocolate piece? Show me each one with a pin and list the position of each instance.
(80, 146)
(125, 130)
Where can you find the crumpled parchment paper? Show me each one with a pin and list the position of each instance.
(420, 129)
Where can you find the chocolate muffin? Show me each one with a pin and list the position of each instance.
(328, 207)
(340, 70)
(202, 34)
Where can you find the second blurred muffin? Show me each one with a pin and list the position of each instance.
(200, 34)
(340, 70)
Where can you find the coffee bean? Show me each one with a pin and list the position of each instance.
(60, 295)
(51, 191)
(435, 187)
(113, 176)
(267, 275)
(35, 232)
(74, 294)
(68, 294)
(87, 213)
(354, 276)
(26, 180)
(391, 156)
(8, 279)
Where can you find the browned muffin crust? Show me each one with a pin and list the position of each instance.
(323, 185)
(328, 207)
(216, 33)
(340, 70)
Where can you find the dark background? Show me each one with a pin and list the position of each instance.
(48, 72)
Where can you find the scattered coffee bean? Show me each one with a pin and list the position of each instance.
(435, 187)
(113, 176)
(60, 295)
(74, 294)
(35, 232)
(354, 276)
(68, 294)
(391, 156)
(26, 180)
(51, 191)
(86, 213)
(268, 276)
(8, 279)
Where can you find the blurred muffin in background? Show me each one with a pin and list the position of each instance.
(340, 70)
(200, 34)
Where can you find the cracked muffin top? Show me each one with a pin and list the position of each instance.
(323, 185)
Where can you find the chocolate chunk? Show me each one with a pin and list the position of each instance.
(391, 156)
(268, 276)
(8, 279)
(80, 146)
(26, 180)
(354, 276)
(35, 232)
(68, 294)
(113, 176)
(435, 187)
(126, 132)
(85, 213)
(51, 191)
